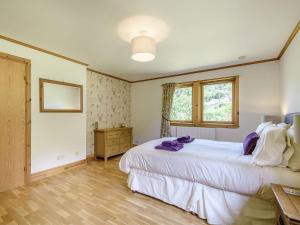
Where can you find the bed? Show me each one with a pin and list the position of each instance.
(214, 180)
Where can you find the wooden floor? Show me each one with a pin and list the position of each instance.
(93, 194)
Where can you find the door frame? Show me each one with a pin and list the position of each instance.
(27, 147)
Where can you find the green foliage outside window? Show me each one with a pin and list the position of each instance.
(217, 102)
(182, 104)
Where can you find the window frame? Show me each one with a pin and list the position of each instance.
(197, 104)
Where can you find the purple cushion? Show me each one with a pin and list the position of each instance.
(250, 143)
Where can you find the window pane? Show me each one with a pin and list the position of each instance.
(182, 104)
(217, 102)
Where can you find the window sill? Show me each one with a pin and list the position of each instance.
(208, 125)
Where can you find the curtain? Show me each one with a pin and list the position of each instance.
(167, 100)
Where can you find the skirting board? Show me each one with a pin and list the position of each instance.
(90, 157)
(60, 169)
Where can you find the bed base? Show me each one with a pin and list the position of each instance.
(217, 206)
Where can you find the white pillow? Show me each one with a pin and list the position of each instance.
(259, 131)
(290, 136)
(289, 151)
(283, 125)
(270, 146)
(261, 127)
(294, 160)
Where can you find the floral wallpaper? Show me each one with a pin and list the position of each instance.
(108, 103)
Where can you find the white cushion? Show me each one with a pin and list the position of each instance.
(261, 127)
(270, 146)
(289, 151)
(294, 161)
(290, 136)
(283, 125)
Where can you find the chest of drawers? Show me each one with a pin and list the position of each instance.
(112, 141)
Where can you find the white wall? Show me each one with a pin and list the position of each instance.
(290, 77)
(259, 95)
(54, 135)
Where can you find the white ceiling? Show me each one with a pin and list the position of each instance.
(203, 33)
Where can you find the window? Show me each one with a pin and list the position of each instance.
(182, 104)
(217, 102)
(207, 103)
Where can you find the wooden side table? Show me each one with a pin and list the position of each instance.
(289, 206)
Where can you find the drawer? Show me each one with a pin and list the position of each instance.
(125, 133)
(113, 134)
(112, 141)
(126, 139)
(124, 147)
(112, 149)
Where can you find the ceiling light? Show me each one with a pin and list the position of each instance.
(143, 32)
(143, 48)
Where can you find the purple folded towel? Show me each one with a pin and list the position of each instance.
(185, 139)
(170, 146)
(169, 143)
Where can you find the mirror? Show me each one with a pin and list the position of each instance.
(57, 96)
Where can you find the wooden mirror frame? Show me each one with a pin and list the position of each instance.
(41, 90)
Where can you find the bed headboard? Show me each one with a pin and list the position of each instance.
(288, 118)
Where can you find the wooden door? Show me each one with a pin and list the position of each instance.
(13, 116)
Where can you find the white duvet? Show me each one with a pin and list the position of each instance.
(220, 165)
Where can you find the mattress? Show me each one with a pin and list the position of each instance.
(220, 165)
